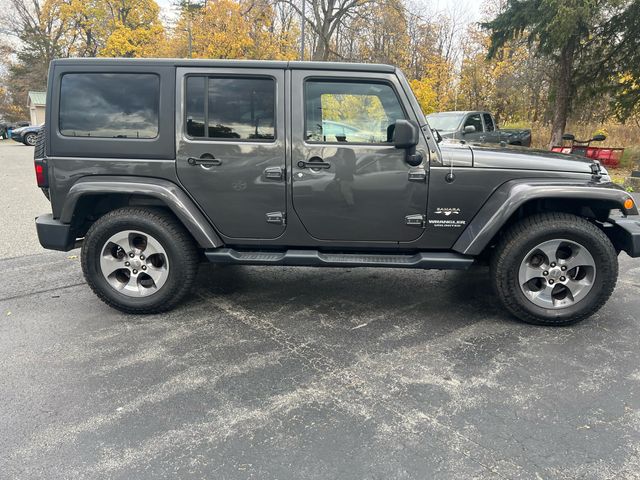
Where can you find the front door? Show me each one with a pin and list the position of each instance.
(478, 135)
(349, 182)
(231, 148)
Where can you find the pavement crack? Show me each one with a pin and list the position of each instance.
(345, 378)
(23, 295)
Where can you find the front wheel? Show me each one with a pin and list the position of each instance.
(554, 269)
(139, 260)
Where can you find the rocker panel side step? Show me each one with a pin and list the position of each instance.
(314, 258)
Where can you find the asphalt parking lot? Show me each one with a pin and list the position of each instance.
(299, 373)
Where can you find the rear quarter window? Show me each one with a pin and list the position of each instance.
(109, 105)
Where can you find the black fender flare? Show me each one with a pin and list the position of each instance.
(511, 195)
(170, 194)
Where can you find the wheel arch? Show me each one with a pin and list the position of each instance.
(517, 199)
(94, 196)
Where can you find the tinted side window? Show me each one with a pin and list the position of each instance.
(474, 120)
(230, 108)
(488, 122)
(109, 105)
(351, 112)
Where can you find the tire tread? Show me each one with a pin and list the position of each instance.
(538, 223)
(180, 238)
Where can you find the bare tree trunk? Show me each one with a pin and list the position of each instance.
(563, 93)
(321, 52)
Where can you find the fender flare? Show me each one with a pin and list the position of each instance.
(513, 194)
(167, 192)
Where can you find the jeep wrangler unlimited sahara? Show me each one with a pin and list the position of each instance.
(152, 165)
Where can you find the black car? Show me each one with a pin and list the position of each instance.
(26, 135)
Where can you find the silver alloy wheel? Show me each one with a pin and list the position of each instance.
(31, 139)
(134, 263)
(557, 274)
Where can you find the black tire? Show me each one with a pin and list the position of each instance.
(169, 232)
(534, 230)
(30, 139)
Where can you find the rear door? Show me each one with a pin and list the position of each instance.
(362, 189)
(231, 147)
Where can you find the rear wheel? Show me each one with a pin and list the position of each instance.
(30, 139)
(554, 269)
(139, 260)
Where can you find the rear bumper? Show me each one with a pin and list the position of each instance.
(53, 234)
(626, 234)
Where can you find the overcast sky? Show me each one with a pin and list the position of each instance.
(469, 9)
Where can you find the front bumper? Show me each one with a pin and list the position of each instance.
(55, 235)
(625, 234)
(17, 137)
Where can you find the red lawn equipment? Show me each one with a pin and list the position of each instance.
(609, 157)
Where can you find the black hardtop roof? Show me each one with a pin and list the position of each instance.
(183, 62)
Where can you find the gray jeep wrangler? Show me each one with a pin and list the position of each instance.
(153, 165)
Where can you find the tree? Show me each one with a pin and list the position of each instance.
(556, 29)
(425, 94)
(232, 29)
(114, 28)
(41, 35)
(614, 66)
(325, 17)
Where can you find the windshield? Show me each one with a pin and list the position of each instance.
(445, 122)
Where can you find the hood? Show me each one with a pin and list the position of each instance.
(522, 158)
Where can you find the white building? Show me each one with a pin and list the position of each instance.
(37, 103)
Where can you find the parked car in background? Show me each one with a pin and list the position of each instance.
(26, 135)
(476, 127)
(6, 128)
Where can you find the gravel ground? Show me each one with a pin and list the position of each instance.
(303, 373)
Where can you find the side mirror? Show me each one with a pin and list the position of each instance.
(599, 138)
(569, 137)
(469, 129)
(406, 134)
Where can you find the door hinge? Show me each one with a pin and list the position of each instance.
(416, 220)
(417, 175)
(274, 173)
(277, 218)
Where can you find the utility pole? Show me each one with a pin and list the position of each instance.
(189, 37)
(303, 22)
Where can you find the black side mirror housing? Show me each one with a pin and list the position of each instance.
(469, 129)
(406, 134)
(599, 138)
(569, 137)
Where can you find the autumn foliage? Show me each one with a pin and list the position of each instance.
(509, 64)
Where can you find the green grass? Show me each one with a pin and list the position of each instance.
(631, 158)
